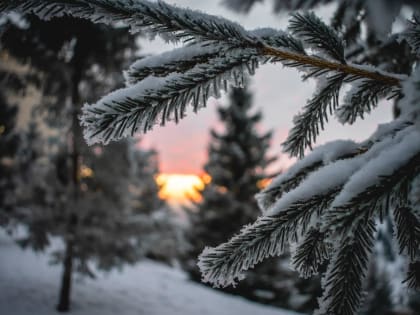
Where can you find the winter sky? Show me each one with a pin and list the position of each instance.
(278, 92)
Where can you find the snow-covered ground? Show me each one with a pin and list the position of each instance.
(29, 285)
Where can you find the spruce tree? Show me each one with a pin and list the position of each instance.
(13, 85)
(66, 189)
(237, 162)
(237, 165)
(237, 159)
(327, 204)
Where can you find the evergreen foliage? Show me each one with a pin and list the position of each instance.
(338, 192)
(66, 190)
(13, 83)
(237, 162)
(238, 156)
(237, 159)
(382, 294)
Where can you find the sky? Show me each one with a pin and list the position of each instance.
(278, 92)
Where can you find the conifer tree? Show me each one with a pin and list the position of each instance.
(13, 85)
(109, 230)
(69, 45)
(68, 190)
(237, 165)
(327, 204)
(237, 162)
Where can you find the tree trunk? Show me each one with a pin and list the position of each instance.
(66, 279)
(64, 299)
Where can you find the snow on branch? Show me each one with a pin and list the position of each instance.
(155, 100)
(177, 60)
(269, 236)
(155, 18)
(377, 186)
(411, 91)
(217, 53)
(322, 156)
(329, 210)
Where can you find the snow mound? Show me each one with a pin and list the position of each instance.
(29, 285)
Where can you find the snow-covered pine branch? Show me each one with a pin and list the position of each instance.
(193, 73)
(154, 18)
(327, 204)
(178, 60)
(217, 53)
(158, 99)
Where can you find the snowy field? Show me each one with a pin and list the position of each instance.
(28, 285)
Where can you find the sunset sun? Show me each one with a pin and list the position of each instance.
(180, 188)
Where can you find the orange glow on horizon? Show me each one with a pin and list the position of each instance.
(180, 188)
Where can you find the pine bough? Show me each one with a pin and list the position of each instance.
(327, 204)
